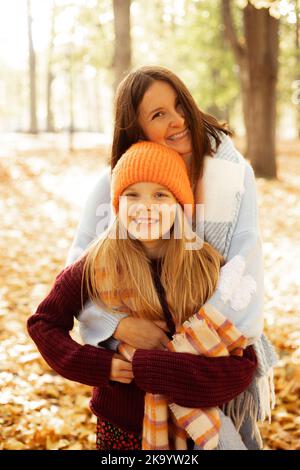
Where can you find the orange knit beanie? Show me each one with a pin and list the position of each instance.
(155, 163)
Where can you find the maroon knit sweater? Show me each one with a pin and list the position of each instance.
(186, 379)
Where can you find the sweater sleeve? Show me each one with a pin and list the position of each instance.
(49, 328)
(95, 217)
(194, 381)
(240, 290)
(95, 325)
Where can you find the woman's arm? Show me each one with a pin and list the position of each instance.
(49, 328)
(239, 294)
(187, 379)
(240, 290)
(95, 217)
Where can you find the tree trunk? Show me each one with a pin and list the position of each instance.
(50, 127)
(258, 62)
(32, 73)
(261, 33)
(122, 56)
(71, 98)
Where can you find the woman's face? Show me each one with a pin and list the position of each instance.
(162, 119)
(147, 210)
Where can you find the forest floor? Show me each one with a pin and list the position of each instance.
(42, 191)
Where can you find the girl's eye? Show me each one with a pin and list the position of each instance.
(161, 195)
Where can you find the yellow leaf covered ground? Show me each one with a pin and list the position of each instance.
(42, 189)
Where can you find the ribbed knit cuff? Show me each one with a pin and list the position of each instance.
(97, 326)
(98, 366)
(110, 324)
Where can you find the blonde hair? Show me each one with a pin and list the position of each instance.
(117, 274)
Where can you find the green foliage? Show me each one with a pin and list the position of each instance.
(89, 34)
(289, 58)
(191, 42)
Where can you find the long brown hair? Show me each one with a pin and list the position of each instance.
(127, 131)
(117, 273)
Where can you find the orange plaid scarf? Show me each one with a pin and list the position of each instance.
(168, 425)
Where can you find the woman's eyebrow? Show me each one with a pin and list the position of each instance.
(155, 110)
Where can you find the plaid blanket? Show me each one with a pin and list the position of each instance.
(168, 425)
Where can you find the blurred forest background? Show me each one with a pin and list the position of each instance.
(61, 61)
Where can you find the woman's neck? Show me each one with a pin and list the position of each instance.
(187, 158)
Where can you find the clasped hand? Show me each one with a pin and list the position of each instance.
(140, 334)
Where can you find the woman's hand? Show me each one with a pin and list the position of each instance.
(142, 334)
(121, 370)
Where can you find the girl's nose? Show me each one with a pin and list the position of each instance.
(143, 205)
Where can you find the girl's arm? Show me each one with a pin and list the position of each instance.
(194, 381)
(49, 328)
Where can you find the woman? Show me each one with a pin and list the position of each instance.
(153, 104)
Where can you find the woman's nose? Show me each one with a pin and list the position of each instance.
(177, 119)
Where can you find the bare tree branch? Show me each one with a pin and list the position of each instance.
(230, 32)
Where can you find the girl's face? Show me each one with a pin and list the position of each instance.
(162, 119)
(147, 210)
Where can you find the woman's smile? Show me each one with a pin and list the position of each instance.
(180, 135)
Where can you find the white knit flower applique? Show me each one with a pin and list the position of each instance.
(234, 286)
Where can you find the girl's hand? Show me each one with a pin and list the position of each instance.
(121, 370)
(142, 334)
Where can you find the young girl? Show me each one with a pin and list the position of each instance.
(141, 265)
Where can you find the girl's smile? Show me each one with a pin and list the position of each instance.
(147, 210)
(145, 221)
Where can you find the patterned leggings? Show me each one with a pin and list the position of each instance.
(110, 436)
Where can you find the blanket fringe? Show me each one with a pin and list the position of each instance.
(240, 408)
(255, 403)
(266, 392)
